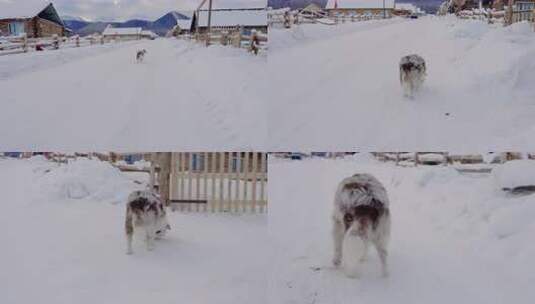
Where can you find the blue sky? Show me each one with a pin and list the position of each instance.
(123, 9)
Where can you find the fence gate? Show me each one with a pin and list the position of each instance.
(218, 182)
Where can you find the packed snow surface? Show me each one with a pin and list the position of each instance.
(338, 87)
(182, 97)
(63, 242)
(455, 237)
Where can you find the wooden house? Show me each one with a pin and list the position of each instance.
(36, 20)
(122, 33)
(360, 7)
(229, 19)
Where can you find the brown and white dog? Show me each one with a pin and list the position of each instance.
(412, 72)
(361, 216)
(145, 209)
(140, 55)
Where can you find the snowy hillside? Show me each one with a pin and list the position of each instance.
(456, 238)
(340, 86)
(183, 97)
(63, 242)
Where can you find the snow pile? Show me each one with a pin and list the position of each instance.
(451, 234)
(515, 174)
(87, 179)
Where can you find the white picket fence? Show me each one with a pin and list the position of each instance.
(218, 182)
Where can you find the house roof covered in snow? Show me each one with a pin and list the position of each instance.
(256, 17)
(331, 4)
(184, 23)
(236, 4)
(27, 9)
(110, 31)
(408, 7)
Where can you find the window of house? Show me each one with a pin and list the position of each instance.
(16, 28)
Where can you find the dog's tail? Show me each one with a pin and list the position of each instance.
(128, 224)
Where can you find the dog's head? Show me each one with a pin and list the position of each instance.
(362, 220)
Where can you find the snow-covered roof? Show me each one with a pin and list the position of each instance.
(236, 4)
(408, 7)
(359, 4)
(22, 8)
(109, 31)
(234, 18)
(184, 23)
(149, 33)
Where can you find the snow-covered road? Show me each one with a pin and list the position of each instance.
(455, 237)
(183, 97)
(60, 249)
(338, 86)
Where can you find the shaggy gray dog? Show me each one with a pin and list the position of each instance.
(140, 56)
(412, 73)
(361, 216)
(145, 209)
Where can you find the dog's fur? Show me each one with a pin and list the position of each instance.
(141, 55)
(412, 73)
(145, 209)
(361, 209)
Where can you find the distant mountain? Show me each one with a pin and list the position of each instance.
(161, 26)
(429, 6)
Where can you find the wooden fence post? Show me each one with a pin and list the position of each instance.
(25, 43)
(56, 42)
(77, 41)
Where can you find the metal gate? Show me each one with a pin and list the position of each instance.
(218, 182)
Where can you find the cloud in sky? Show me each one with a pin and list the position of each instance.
(120, 10)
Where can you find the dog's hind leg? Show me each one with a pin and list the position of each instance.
(338, 239)
(129, 229)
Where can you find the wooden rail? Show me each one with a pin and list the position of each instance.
(23, 44)
(231, 37)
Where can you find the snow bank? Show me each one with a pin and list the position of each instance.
(85, 179)
(514, 174)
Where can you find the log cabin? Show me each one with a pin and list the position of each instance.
(36, 20)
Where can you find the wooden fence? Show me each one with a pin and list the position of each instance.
(287, 18)
(218, 182)
(230, 37)
(489, 16)
(444, 158)
(23, 44)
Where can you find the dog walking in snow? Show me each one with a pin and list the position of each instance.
(361, 216)
(412, 72)
(145, 209)
(141, 55)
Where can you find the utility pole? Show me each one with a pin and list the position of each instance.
(209, 22)
(384, 9)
